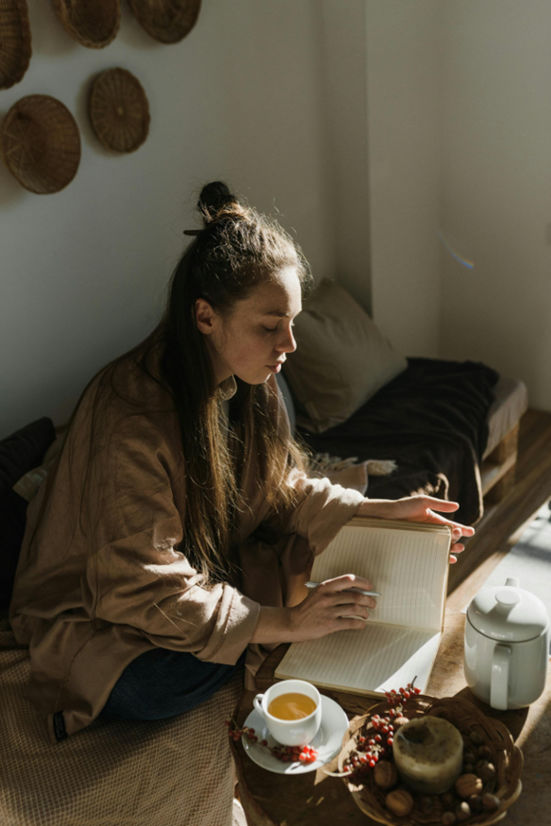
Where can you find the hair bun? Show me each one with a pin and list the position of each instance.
(215, 198)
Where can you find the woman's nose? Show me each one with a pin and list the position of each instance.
(287, 343)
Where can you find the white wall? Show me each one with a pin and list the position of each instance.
(403, 41)
(369, 131)
(497, 188)
(84, 271)
(343, 64)
(460, 181)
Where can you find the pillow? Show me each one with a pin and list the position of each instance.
(24, 450)
(341, 360)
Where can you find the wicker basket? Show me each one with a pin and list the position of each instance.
(166, 20)
(94, 23)
(427, 811)
(15, 41)
(119, 110)
(41, 143)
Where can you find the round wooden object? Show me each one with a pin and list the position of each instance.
(41, 143)
(506, 757)
(94, 23)
(15, 41)
(119, 110)
(166, 20)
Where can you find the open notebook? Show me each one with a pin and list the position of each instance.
(408, 563)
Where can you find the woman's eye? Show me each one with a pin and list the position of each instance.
(269, 329)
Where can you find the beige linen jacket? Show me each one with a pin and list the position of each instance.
(101, 578)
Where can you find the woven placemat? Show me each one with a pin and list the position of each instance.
(168, 21)
(119, 110)
(41, 143)
(15, 41)
(94, 23)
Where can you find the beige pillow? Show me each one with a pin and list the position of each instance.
(341, 360)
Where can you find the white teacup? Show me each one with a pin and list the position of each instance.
(290, 732)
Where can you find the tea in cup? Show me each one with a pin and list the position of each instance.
(291, 710)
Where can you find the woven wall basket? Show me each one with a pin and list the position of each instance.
(166, 20)
(15, 41)
(94, 23)
(41, 143)
(119, 110)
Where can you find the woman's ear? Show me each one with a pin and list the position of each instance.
(205, 316)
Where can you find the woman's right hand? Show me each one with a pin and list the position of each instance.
(333, 606)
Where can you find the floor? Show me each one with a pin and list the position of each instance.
(503, 523)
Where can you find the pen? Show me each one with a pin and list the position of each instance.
(311, 584)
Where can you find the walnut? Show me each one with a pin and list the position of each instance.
(385, 774)
(477, 738)
(400, 802)
(463, 811)
(490, 802)
(485, 770)
(467, 785)
(475, 802)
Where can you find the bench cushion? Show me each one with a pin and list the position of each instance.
(509, 405)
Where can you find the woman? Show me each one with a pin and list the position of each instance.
(176, 531)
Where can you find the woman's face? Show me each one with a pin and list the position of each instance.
(252, 340)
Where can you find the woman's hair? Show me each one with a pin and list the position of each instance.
(236, 250)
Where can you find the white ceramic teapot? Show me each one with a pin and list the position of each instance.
(506, 646)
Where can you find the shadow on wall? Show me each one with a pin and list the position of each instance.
(10, 190)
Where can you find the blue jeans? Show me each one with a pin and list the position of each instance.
(162, 683)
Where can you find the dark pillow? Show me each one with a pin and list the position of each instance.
(13, 510)
(24, 450)
(19, 453)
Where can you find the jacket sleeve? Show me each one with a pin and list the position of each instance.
(322, 509)
(136, 576)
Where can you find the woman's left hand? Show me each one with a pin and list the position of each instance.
(420, 509)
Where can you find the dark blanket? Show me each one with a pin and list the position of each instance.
(432, 420)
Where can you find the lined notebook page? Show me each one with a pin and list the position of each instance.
(409, 566)
(376, 659)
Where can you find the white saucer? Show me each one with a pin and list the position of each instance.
(327, 741)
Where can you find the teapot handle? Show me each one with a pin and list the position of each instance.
(499, 680)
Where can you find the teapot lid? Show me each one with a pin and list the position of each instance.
(508, 613)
